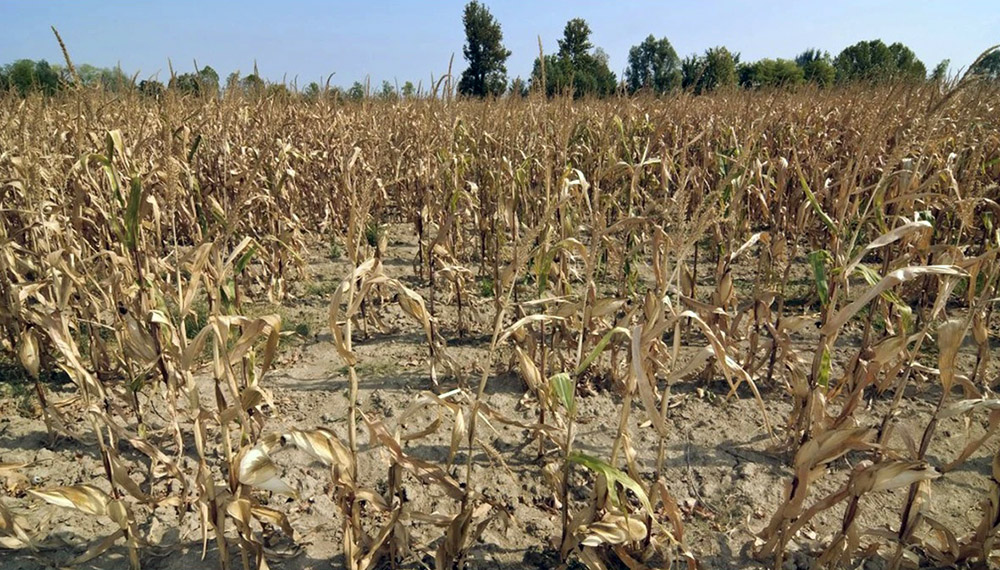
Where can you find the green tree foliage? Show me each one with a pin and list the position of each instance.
(519, 87)
(252, 84)
(771, 73)
(208, 79)
(111, 79)
(151, 88)
(873, 61)
(185, 83)
(25, 76)
(484, 50)
(356, 92)
(577, 65)
(716, 69)
(233, 81)
(940, 72)
(277, 90)
(575, 44)
(653, 65)
(989, 66)
(817, 67)
(408, 90)
(205, 81)
(387, 92)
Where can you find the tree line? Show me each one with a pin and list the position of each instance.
(578, 67)
(26, 76)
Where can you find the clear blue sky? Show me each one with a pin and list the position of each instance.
(398, 40)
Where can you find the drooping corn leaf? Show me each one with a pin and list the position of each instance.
(614, 477)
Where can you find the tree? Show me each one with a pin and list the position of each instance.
(874, 62)
(208, 79)
(720, 69)
(356, 92)
(111, 79)
(484, 50)
(204, 81)
(25, 76)
(277, 90)
(654, 65)
(312, 91)
(940, 73)
(714, 70)
(151, 88)
(518, 87)
(575, 65)
(387, 92)
(771, 73)
(575, 45)
(989, 66)
(233, 81)
(816, 67)
(252, 84)
(408, 90)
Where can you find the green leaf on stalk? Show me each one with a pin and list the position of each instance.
(113, 142)
(600, 348)
(194, 148)
(614, 477)
(565, 391)
(132, 214)
(872, 277)
(824, 368)
(816, 205)
(244, 259)
(817, 260)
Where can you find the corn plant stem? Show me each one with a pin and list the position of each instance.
(543, 369)
(498, 320)
(622, 424)
(885, 428)
(353, 514)
(564, 483)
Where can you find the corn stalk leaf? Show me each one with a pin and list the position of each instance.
(565, 391)
(614, 477)
(891, 280)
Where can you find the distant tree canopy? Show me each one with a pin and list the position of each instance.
(312, 91)
(989, 66)
(771, 73)
(252, 84)
(151, 88)
(716, 69)
(25, 76)
(519, 87)
(873, 61)
(204, 81)
(387, 92)
(817, 67)
(577, 65)
(112, 79)
(484, 50)
(940, 72)
(357, 91)
(653, 65)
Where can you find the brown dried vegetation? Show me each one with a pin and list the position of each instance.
(588, 221)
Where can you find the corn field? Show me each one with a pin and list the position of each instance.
(535, 322)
